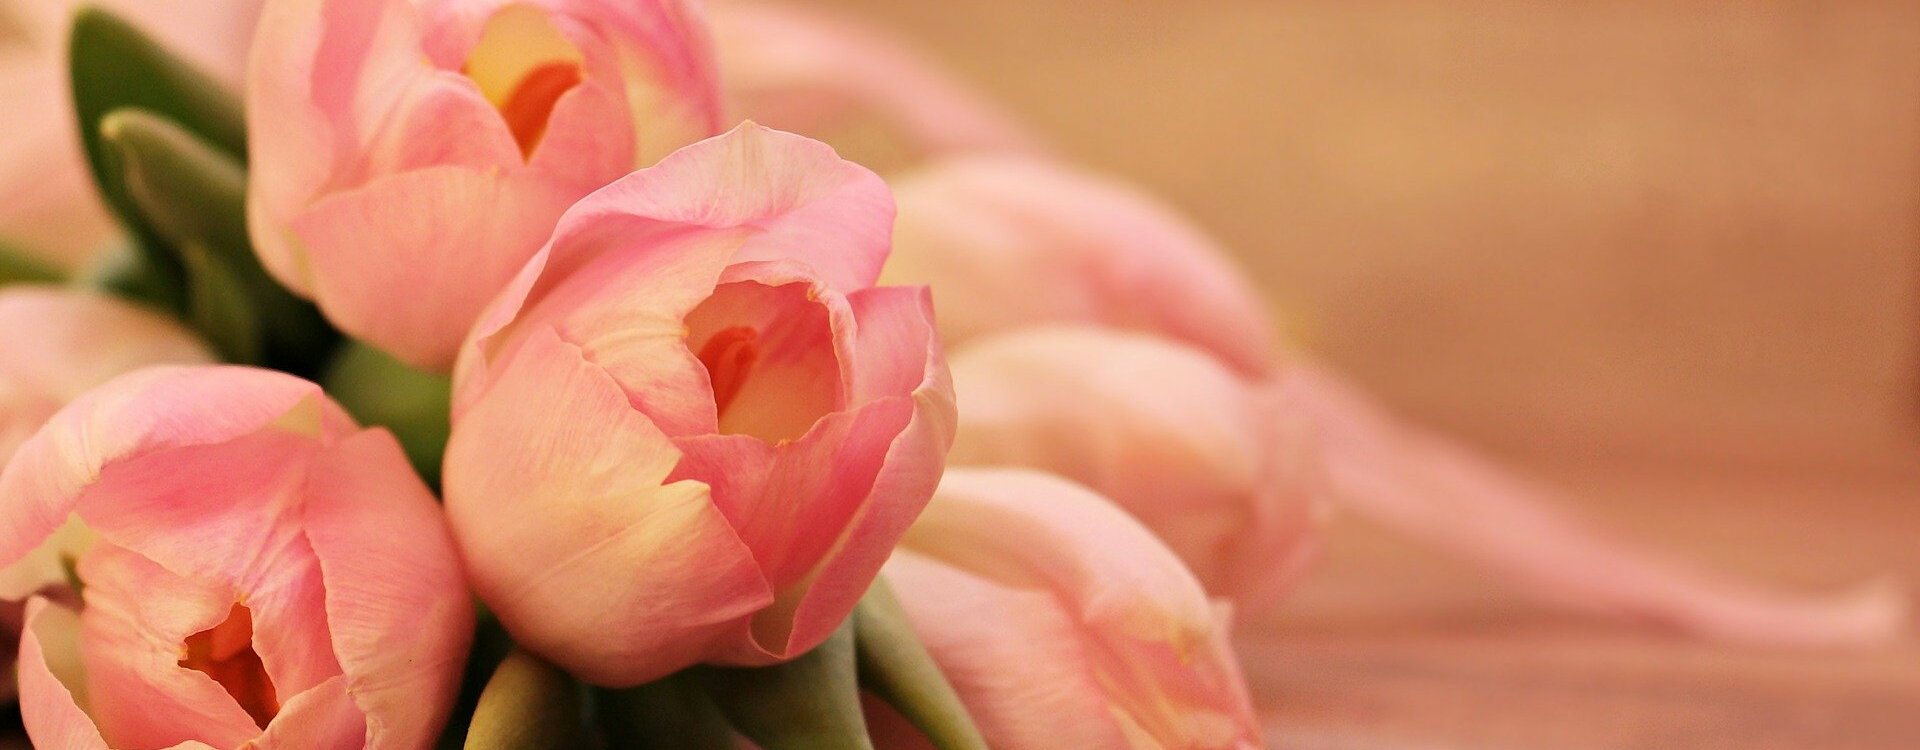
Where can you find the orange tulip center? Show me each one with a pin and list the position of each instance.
(729, 356)
(530, 105)
(226, 654)
(524, 65)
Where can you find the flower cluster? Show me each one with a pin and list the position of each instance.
(423, 372)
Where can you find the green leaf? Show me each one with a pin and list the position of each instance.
(810, 703)
(529, 705)
(114, 65)
(380, 390)
(19, 267)
(895, 667)
(193, 198)
(671, 714)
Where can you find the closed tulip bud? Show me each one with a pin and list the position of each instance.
(1009, 242)
(1062, 623)
(692, 429)
(265, 574)
(409, 156)
(1226, 474)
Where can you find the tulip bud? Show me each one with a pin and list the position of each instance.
(1009, 242)
(266, 574)
(408, 157)
(1226, 475)
(692, 429)
(1063, 623)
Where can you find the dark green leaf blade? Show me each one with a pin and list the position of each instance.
(810, 703)
(193, 198)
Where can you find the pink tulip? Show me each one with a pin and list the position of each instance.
(1015, 243)
(409, 156)
(1064, 624)
(49, 207)
(812, 71)
(63, 343)
(692, 429)
(265, 575)
(1225, 473)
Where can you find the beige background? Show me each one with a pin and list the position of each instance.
(1681, 230)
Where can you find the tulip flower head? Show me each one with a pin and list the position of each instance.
(692, 429)
(265, 575)
(1228, 476)
(409, 156)
(1063, 623)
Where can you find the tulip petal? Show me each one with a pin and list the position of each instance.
(1010, 242)
(1434, 490)
(802, 69)
(136, 617)
(323, 716)
(801, 200)
(149, 426)
(1025, 676)
(1163, 429)
(1153, 641)
(395, 597)
(546, 504)
(57, 719)
(445, 239)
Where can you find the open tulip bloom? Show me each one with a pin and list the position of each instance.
(477, 378)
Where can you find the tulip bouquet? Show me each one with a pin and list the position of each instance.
(478, 373)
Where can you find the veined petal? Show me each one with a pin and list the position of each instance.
(569, 525)
(49, 648)
(396, 601)
(444, 239)
(152, 419)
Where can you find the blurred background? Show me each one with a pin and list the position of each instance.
(1665, 254)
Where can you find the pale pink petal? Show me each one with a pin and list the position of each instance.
(790, 502)
(47, 647)
(1432, 489)
(321, 717)
(792, 199)
(396, 600)
(1009, 242)
(806, 70)
(408, 261)
(137, 616)
(323, 77)
(569, 526)
(1152, 641)
(626, 310)
(1015, 656)
(1165, 430)
(150, 427)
